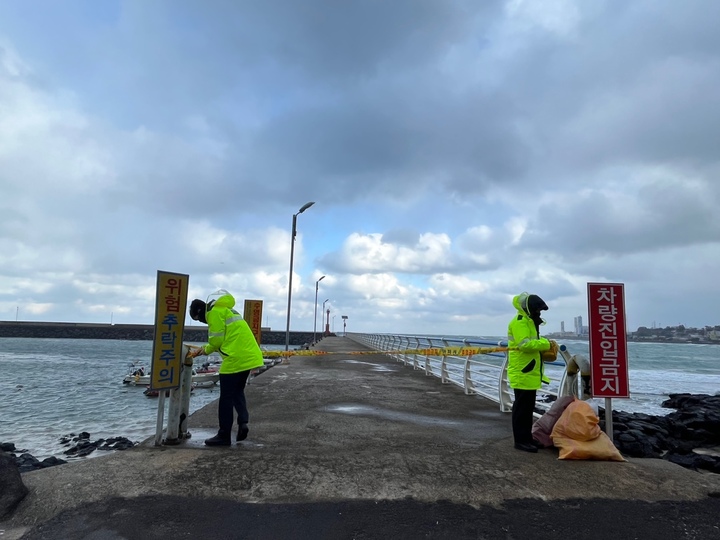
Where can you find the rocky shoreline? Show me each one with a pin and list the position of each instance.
(689, 437)
(78, 446)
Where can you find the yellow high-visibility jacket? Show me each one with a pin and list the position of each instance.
(525, 367)
(229, 334)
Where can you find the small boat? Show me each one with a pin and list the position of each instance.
(140, 376)
(208, 367)
(206, 375)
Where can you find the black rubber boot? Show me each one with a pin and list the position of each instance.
(218, 440)
(242, 432)
(527, 447)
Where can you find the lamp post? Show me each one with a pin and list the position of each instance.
(292, 252)
(315, 318)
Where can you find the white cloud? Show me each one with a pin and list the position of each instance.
(559, 17)
(467, 152)
(370, 253)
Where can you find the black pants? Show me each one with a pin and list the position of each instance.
(522, 415)
(232, 395)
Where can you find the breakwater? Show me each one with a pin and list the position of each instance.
(131, 332)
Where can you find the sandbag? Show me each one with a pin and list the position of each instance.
(600, 449)
(543, 427)
(578, 435)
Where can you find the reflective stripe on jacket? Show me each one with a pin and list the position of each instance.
(525, 367)
(230, 335)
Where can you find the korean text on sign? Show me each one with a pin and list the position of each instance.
(608, 340)
(171, 300)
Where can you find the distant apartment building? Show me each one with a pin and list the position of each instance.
(580, 330)
(562, 327)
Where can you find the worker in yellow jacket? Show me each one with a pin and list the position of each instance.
(230, 335)
(525, 366)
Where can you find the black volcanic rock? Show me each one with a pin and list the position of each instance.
(13, 490)
(82, 447)
(676, 437)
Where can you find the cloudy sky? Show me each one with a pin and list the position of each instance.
(458, 153)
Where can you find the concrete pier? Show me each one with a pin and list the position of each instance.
(359, 446)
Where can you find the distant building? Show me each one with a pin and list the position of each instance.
(562, 327)
(578, 325)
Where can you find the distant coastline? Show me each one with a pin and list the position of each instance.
(129, 332)
(638, 339)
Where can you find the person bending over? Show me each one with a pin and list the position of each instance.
(230, 335)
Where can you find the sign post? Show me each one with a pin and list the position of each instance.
(608, 345)
(252, 313)
(170, 305)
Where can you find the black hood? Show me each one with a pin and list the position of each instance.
(198, 308)
(535, 305)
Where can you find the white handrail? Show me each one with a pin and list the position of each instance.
(482, 374)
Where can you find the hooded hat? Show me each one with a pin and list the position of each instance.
(535, 305)
(198, 308)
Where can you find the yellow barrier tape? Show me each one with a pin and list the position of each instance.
(437, 351)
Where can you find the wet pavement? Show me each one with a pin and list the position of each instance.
(360, 446)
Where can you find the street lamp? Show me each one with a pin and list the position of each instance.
(315, 319)
(292, 252)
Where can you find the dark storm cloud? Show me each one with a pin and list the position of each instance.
(205, 56)
(389, 144)
(377, 113)
(634, 82)
(325, 97)
(593, 125)
(659, 216)
(344, 93)
(331, 40)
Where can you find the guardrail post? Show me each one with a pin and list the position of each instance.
(415, 363)
(467, 378)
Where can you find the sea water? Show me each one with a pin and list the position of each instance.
(54, 387)
(656, 370)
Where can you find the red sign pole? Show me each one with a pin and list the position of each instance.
(608, 345)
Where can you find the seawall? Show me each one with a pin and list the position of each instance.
(132, 332)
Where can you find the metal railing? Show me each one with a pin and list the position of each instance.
(483, 374)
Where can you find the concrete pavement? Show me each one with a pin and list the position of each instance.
(359, 446)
